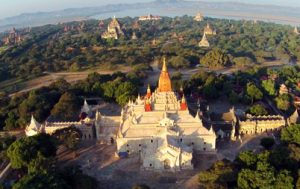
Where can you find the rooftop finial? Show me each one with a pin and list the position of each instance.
(164, 68)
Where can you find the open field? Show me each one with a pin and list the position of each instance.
(24, 86)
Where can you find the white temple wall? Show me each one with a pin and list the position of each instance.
(135, 145)
(199, 143)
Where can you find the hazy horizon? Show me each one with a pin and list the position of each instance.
(16, 7)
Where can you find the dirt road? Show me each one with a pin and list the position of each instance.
(71, 77)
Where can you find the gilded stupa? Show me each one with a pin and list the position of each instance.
(164, 82)
(204, 42)
(114, 30)
(208, 30)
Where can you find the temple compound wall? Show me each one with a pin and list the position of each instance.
(86, 129)
(260, 124)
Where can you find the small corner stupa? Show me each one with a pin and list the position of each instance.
(33, 128)
(204, 42)
(86, 110)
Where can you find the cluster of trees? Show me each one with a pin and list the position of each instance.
(209, 85)
(5, 142)
(50, 48)
(274, 167)
(62, 100)
(215, 58)
(35, 158)
(287, 75)
(258, 110)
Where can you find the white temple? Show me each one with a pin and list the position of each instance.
(162, 131)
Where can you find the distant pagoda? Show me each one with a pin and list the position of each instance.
(149, 17)
(136, 25)
(114, 30)
(13, 38)
(134, 37)
(208, 30)
(296, 30)
(204, 42)
(101, 24)
(199, 17)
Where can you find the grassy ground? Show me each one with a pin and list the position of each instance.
(15, 86)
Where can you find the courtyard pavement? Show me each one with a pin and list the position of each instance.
(99, 161)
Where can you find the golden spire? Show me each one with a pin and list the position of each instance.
(164, 67)
(183, 99)
(148, 89)
(164, 82)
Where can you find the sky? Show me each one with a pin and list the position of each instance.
(15, 7)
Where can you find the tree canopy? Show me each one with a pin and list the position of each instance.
(215, 58)
(25, 151)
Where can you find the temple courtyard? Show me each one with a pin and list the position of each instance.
(99, 160)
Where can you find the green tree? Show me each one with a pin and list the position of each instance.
(109, 89)
(257, 110)
(75, 67)
(124, 92)
(233, 97)
(291, 134)
(269, 87)
(179, 62)
(26, 150)
(218, 176)
(242, 62)
(283, 102)
(61, 85)
(75, 178)
(40, 181)
(67, 107)
(215, 58)
(70, 137)
(246, 159)
(253, 92)
(10, 122)
(267, 142)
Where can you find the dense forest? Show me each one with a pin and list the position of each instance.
(52, 48)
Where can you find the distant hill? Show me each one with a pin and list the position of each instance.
(290, 15)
